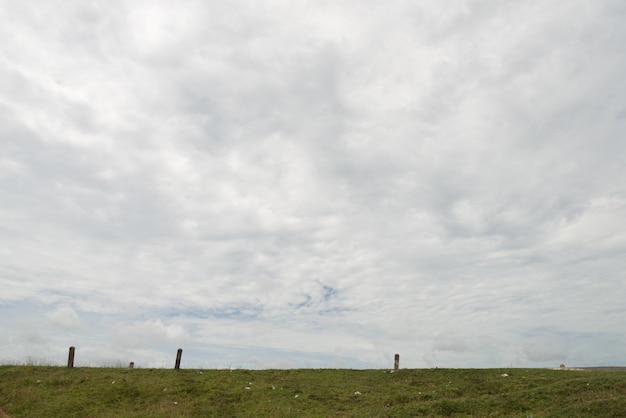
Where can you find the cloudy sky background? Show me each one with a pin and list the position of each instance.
(313, 183)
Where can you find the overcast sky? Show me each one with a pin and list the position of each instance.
(277, 184)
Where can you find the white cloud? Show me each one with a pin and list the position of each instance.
(67, 319)
(146, 334)
(329, 180)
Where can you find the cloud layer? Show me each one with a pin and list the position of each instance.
(313, 184)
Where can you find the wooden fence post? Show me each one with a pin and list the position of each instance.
(396, 362)
(70, 357)
(179, 354)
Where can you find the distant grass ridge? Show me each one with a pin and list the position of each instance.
(43, 391)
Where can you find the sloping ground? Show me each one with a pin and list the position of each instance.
(27, 391)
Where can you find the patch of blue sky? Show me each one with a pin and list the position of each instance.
(307, 302)
(329, 292)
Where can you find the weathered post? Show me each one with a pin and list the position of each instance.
(70, 357)
(179, 354)
(396, 362)
(131, 365)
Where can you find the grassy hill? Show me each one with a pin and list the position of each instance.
(37, 391)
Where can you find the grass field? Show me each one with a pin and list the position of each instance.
(39, 391)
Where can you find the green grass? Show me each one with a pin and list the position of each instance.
(39, 391)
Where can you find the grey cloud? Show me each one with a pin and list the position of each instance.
(447, 341)
(31, 332)
(545, 349)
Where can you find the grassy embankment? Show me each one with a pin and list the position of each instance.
(37, 391)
